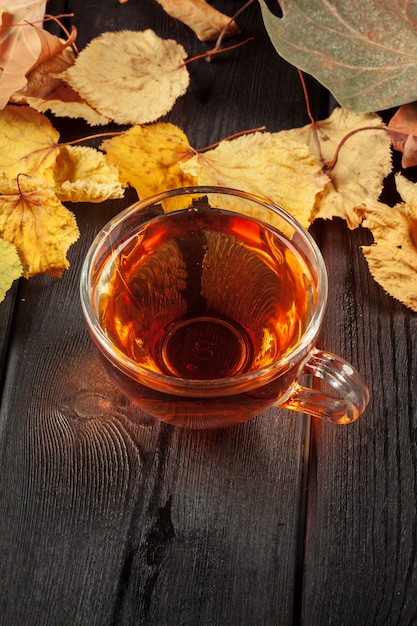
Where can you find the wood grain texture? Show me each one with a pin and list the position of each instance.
(107, 516)
(360, 561)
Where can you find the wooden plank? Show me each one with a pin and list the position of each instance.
(108, 516)
(360, 561)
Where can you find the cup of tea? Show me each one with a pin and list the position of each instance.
(205, 304)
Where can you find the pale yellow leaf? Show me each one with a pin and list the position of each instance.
(10, 266)
(206, 21)
(270, 165)
(130, 77)
(82, 174)
(364, 161)
(392, 258)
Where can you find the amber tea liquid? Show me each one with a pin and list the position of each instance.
(204, 294)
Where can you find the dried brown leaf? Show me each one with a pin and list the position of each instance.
(45, 91)
(206, 21)
(20, 47)
(403, 132)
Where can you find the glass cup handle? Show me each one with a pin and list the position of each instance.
(353, 394)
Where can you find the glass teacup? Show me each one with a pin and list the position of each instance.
(206, 303)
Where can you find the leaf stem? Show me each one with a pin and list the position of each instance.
(310, 115)
(219, 41)
(330, 165)
(88, 137)
(209, 53)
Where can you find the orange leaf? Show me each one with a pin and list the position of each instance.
(20, 45)
(402, 129)
(52, 45)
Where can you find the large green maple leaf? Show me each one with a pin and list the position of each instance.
(363, 51)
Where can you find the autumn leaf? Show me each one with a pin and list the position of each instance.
(392, 258)
(364, 52)
(363, 163)
(40, 227)
(82, 174)
(51, 45)
(148, 157)
(20, 45)
(206, 21)
(130, 77)
(10, 266)
(269, 165)
(402, 129)
(28, 143)
(46, 92)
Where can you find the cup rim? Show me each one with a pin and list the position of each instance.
(198, 387)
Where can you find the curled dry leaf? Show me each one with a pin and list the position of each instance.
(149, 157)
(392, 258)
(28, 143)
(82, 174)
(52, 45)
(270, 165)
(130, 77)
(206, 21)
(10, 266)
(363, 163)
(45, 91)
(402, 129)
(41, 228)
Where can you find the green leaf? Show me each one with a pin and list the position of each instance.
(363, 51)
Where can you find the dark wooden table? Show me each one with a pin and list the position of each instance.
(110, 517)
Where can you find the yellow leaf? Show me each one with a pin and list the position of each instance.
(364, 161)
(28, 143)
(205, 20)
(130, 77)
(269, 165)
(148, 158)
(392, 258)
(40, 227)
(10, 266)
(46, 92)
(82, 174)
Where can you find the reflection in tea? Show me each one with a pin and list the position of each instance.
(205, 294)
